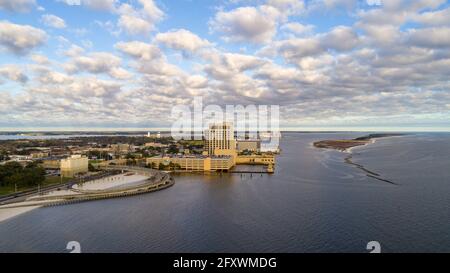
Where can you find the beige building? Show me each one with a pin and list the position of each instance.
(256, 159)
(267, 159)
(39, 155)
(74, 165)
(120, 149)
(51, 163)
(195, 163)
(248, 145)
(155, 145)
(220, 141)
(219, 137)
(219, 154)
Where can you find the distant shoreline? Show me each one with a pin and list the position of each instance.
(347, 146)
(344, 145)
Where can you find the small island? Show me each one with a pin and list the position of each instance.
(345, 144)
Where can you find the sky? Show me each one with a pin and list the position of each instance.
(328, 64)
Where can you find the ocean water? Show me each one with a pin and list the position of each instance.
(315, 202)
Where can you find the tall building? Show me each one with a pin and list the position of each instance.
(74, 165)
(219, 137)
(220, 141)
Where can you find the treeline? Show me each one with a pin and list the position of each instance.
(13, 173)
(4, 156)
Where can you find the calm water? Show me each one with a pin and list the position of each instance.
(314, 203)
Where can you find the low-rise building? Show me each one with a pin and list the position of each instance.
(51, 163)
(121, 149)
(265, 159)
(39, 155)
(74, 165)
(195, 163)
(155, 145)
(248, 145)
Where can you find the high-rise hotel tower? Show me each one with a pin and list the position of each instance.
(219, 140)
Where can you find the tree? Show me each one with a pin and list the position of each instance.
(91, 168)
(13, 173)
(173, 149)
(4, 156)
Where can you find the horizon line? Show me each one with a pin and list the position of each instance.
(285, 129)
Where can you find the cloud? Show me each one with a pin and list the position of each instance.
(246, 24)
(255, 24)
(73, 51)
(197, 81)
(13, 73)
(20, 39)
(17, 5)
(53, 21)
(376, 69)
(434, 18)
(135, 25)
(40, 59)
(139, 50)
(340, 38)
(101, 5)
(298, 28)
(106, 5)
(139, 21)
(430, 37)
(98, 62)
(183, 40)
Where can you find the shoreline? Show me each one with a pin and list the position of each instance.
(113, 187)
(6, 214)
(348, 146)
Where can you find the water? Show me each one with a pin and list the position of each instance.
(313, 203)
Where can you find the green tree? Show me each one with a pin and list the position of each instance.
(91, 168)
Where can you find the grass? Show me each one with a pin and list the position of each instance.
(6, 190)
(49, 180)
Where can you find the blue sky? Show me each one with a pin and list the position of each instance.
(123, 64)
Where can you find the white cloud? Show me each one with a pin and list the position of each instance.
(375, 69)
(107, 5)
(139, 50)
(340, 38)
(53, 21)
(73, 51)
(139, 21)
(98, 62)
(13, 73)
(438, 37)
(40, 59)
(298, 28)
(135, 25)
(102, 5)
(197, 81)
(247, 24)
(183, 40)
(434, 18)
(20, 39)
(17, 5)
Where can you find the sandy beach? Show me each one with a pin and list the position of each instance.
(6, 214)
